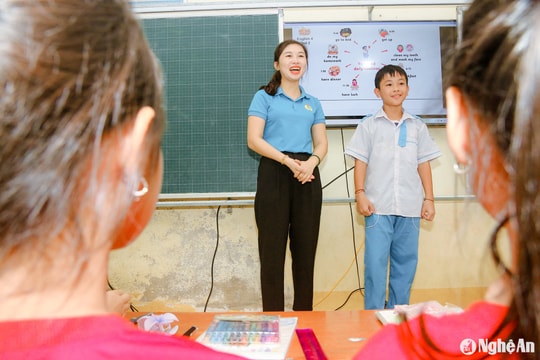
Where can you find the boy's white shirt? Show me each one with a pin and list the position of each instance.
(392, 182)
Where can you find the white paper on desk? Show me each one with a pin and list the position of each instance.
(402, 312)
(277, 351)
(389, 316)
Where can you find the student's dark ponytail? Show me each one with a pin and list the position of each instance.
(272, 87)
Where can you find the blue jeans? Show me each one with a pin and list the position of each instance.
(395, 239)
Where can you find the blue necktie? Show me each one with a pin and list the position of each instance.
(402, 140)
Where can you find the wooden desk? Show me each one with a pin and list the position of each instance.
(335, 330)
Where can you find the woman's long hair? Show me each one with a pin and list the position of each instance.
(496, 67)
(72, 73)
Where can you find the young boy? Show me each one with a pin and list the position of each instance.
(393, 189)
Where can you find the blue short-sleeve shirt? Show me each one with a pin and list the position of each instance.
(392, 153)
(288, 122)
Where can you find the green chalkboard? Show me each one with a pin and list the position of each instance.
(212, 67)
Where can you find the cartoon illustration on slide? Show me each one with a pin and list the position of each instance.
(365, 51)
(333, 49)
(345, 32)
(304, 31)
(354, 84)
(334, 70)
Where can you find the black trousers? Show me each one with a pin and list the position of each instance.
(286, 209)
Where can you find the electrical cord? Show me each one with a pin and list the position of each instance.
(351, 215)
(213, 260)
(348, 298)
(337, 283)
(337, 177)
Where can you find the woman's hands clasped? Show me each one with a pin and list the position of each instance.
(302, 170)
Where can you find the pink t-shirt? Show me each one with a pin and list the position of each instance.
(465, 335)
(94, 337)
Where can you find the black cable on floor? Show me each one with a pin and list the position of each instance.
(348, 298)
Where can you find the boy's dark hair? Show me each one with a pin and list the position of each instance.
(392, 70)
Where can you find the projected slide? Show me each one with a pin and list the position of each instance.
(344, 58)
